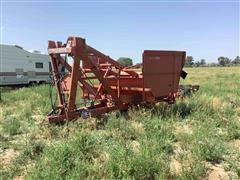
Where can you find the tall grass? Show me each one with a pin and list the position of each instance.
(197, 131)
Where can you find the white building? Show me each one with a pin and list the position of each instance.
(18, 66)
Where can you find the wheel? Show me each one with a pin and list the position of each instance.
(84, 114)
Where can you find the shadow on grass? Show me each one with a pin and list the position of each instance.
(180, 109)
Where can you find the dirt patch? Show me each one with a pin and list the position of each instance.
(7, 156)
(175, 167)
(135, 146)
(21, 177)
(183, 128)
(217, 103)
(177, 150)
(216, 172)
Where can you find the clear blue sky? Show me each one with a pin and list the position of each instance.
(203, 29)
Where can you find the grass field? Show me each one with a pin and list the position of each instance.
(196, 138)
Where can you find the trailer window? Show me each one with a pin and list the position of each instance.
(38, 65)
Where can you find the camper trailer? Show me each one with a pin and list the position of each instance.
(21, 67)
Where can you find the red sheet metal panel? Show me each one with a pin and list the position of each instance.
(161, 71)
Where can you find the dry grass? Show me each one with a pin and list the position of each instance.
(196, 138)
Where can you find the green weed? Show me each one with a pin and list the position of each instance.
(140, 146)
(11, 126)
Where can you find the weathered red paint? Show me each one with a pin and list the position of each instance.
(108, 84)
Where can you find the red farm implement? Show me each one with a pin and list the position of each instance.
(107, 84)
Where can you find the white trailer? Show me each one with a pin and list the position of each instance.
(18, 66)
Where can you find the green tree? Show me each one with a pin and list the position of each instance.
(236, 60)
(197, 64)
(200, 63)
(189, 61)
(223, 61)
(125, 61)
(203, 62)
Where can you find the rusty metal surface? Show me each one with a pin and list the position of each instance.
(106, 83)
(162, 70)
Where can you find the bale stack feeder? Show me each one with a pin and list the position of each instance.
(107, 84)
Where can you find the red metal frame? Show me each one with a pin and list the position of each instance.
(114, 87)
